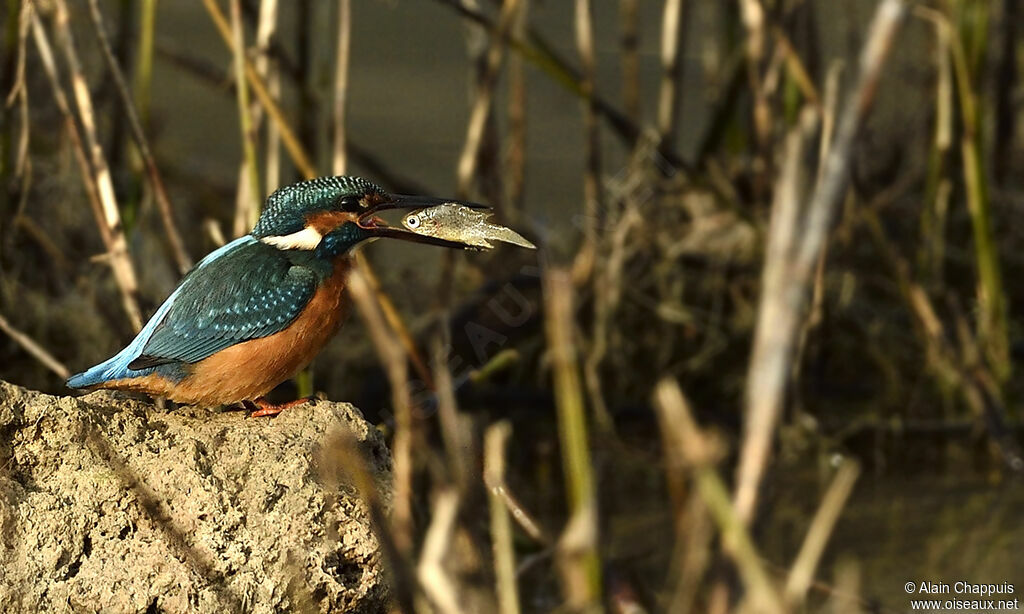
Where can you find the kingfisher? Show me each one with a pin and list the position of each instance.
(254, 312)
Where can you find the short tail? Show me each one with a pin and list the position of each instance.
(94, 376)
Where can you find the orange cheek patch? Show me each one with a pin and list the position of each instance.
(326, 221)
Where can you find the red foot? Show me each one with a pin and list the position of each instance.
(266, 408)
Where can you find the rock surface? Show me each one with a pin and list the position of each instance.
(111, 505)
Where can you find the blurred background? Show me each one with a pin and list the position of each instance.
(774, 289)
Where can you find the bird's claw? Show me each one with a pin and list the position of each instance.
(266, 409)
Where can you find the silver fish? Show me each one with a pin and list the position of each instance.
(463, 224)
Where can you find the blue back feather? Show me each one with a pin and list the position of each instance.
(116, 367)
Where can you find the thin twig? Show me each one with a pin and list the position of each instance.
(802, 573)
(174, 239)
(29, 345)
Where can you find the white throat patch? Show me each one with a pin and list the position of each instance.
(308, 239)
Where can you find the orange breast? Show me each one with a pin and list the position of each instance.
(251, 369)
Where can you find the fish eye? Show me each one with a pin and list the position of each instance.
(413, 221)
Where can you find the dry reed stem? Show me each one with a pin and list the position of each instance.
(266, 26)
(455, 443)
(577, 550)
(339, 160)
(393, 358)
(592, 210)
(298, 155)
(827, 109)
(95, 172)
(672, 29)
(539, 52)
(434, 580)
(144, 59)
(776, 325)
(828, 115)
(495, 442)
(478, 115)
(753, 17)
(693, 533)
(801, 574)
(992, 323)
(181, 258)
(700, 452)
(249, 192)
(37, 351)
(693, 553)
(795, 244)
(339, 167)
(49, 67)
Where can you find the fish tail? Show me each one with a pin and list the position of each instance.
(508, 235)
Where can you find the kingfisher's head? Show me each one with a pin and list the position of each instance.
(337, 213)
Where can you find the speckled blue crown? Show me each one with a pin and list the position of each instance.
(286, 209)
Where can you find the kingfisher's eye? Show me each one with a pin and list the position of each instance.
(349, 203)
(413, 221)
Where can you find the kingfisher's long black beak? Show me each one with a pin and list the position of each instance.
(409, 201)
(380, 228)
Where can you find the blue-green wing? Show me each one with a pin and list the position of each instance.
(254, 292)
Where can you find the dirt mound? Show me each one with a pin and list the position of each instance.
(110, 504)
